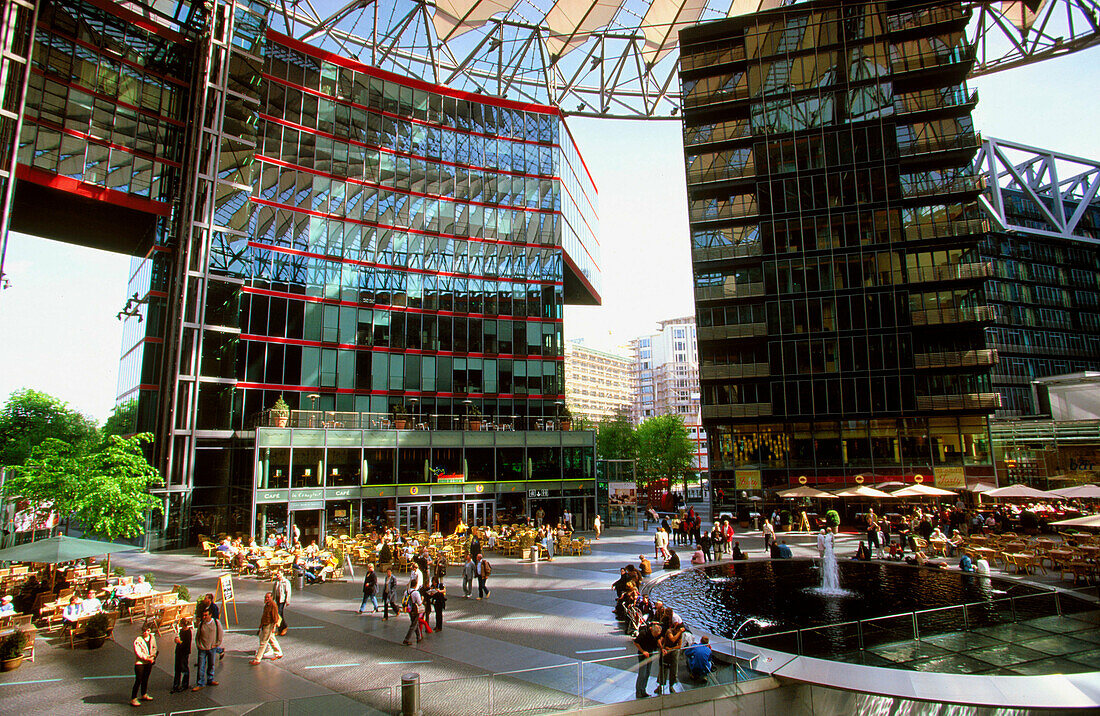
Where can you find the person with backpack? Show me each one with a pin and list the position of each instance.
(484, 569)
(412, 603)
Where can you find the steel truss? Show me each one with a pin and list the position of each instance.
(1057, 188)
(612, 58)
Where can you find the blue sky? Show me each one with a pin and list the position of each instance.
(58, 321)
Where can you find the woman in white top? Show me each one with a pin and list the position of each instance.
(145, 655)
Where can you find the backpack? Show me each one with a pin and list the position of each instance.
(486, 568)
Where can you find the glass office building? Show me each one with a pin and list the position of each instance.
(839, 283)
(389, 257)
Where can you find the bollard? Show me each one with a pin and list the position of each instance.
(410, 694)
(301, 582)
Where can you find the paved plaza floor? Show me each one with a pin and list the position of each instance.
(520, 650)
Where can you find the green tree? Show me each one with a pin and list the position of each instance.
(104, 489)
(30, 417)
(123, 419)
(665, 450)
(616, 438)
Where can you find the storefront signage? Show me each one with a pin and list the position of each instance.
(950, 478)
(337, 492)
(622, 493)
(747, 479)
(538, 493)
(271, 496)
(450, 479)
(312, 505)
(479, 488)
(313, 494)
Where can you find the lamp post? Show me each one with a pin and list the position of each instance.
(733, 640)
(313, 398)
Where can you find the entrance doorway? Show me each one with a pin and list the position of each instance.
(309, 522)
(411, 518)
(445, 516)
(480, 514)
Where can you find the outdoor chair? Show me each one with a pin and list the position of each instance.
(168, 618)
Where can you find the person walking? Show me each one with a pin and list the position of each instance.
(181, 676)
(468, 571)
(269, 622)
(413, 602)
(484, 569)
(145, 655)
(208, 638)
(438, 596)
(281, 592)
(389, 595)
(769, 534)
(597, 525)
(370, 589)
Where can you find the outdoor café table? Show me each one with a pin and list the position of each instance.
(1058, 556)
(1023, 561)
(1091, 552)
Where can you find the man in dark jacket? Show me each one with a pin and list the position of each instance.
(370, 589)
(389, 596)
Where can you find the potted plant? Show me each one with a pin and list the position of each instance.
(96, 630)
(183, 594)
(400, 417)
(473, 414)
(280, 412)
(566, 419)
(11, 650)
(119, 571)
(832, 518)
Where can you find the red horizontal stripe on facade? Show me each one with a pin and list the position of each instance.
(102, 142)
(141, 342)
(107, 98)
(402, 117)
(397, 393)
(581, 157)
(583, 279)
(90, 191)
(395, 190)
(405, 269)
(350, 64)
(391, 227)
(133, 18)
(394, 309)
(401, 351)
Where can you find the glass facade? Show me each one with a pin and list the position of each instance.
(835, 235)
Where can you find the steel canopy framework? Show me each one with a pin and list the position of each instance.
(611, 58)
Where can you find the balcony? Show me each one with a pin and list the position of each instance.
(339, 420)
(902, 21)
(722, 132)
(950, 272)
(698, 58)
(955, 185)
(928, 145)
(741, 410)
(722, 333)
(734, 370)
(729, 290)
(722, 253)
(945, 229)
(721, 173)
(941, 316)
(932, 100)
(955, 359)
(962, 401)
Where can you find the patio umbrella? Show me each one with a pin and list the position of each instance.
(892, 483)
(863, 491)
(805, 491)
(62, 549)
(1087, 492)
(1086, 521)
(921, 490)
(980, 488)
(1018, 491)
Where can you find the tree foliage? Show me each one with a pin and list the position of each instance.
(123, 419)
(30, 417)
(105, 489)
(665, 449)
(616, 438)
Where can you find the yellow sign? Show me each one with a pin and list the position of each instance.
(859, 479)
(748, 479)
(918, 479)
(414, 490)
(480, 488)
(950, 478)
(801, 479)
(225, 592)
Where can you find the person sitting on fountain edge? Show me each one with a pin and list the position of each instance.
(737, 553)
(782, 551)
(966, 564)
(673, 561)
(863, 553)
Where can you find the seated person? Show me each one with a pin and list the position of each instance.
(91, 605)
(140, 586)
(644, 565)
(73, 611)
(784, 551)
(737, 553)
(697, 556)
(305, 569)
(226, 546)
(6, 606)
(981, 566)
(673, 561)
(272, 540)
(920, 559)
(863, 553)
(698, 657)
(966, 564)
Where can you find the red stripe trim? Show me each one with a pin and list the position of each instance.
(402, 351)
(402, 117)
(394, 309)
(395, 190)
(320, 54)
(583, 279)
(580, 156)
(403, 269)
(143, 341)
(391, 227)
(90, 191)
(110, 54)
(106, 98)
(102, 142)
(133, 18)
(356, 391)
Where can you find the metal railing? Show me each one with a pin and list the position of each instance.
(411, 420)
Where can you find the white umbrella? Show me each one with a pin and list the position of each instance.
(892, 483)
(1018, 491)
(863, 491)
(980, 488)
(805, 491)
(1086, 521)
(921, 490)
(1088, 492)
